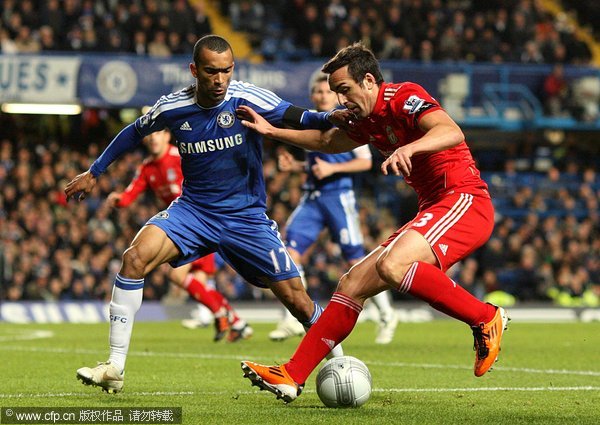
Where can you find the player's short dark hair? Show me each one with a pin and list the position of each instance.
(212, 42)
(360, 61)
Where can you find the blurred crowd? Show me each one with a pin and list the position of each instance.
(148, 27)
(546, 244)
(424, 30)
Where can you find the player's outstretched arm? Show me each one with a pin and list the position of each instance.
(330, 141)
(125, 141)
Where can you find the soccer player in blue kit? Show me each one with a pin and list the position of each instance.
(223, 201)
(329, 202)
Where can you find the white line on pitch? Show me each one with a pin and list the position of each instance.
(460, 390)
(378, 390)
(500, 368)
(262, 358)
(90, 394)
(25, 335)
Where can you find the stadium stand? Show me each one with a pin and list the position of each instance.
(512, 31)
(547, 240)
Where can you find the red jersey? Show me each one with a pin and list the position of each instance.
(162, 175)
(394, 123)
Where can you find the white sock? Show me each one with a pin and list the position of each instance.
(383, 304)
(126, 301)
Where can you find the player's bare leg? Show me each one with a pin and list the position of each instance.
(388, 319)
(289, 326)
(150, 248)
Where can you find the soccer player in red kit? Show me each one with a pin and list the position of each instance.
(456, 216)
(161, 172)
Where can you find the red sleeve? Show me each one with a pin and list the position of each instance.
(412, 102)
(135, 188)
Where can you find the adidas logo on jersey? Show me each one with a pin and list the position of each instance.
(186, 126)
(443, 248)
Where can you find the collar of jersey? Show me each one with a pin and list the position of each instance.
(227, 97)
(379, 104)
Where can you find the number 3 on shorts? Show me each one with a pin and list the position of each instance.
(423, 221)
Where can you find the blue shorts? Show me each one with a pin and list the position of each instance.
(334, 210)
(250, 243)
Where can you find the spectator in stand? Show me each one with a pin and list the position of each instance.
(556, 92)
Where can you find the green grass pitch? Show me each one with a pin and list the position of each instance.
(547, 374)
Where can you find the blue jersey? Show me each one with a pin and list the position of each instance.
(221, 160)
(337, 181)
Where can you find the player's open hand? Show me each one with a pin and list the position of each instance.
(322, 169)
(251, 119)
(398, 162)
(82, 183)
(342, 118)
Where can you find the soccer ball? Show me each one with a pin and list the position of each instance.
(344, 382)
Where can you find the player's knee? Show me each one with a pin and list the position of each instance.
(348, 285)
(391, 270)
(133, 263)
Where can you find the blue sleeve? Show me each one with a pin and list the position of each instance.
(126, 140)
(316, 120)
(277, 111)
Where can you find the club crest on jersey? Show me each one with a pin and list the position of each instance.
(225, 119)
(391, 135)
(413, 104)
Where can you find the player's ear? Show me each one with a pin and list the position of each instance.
(193, 70)
(369, 81)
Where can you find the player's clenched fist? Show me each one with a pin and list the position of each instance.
(399, 162)
(83, 183)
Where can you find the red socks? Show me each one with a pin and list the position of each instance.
(209, 297)
(432, 285)
(334, 325)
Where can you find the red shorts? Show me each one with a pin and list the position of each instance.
(454, 227)
(205, 264)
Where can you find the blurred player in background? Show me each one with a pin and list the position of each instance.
(161, 172)
(329, 202)
(456, 216)
(222, 207)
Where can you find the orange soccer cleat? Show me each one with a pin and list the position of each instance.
(487, 341)
(274, 379)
